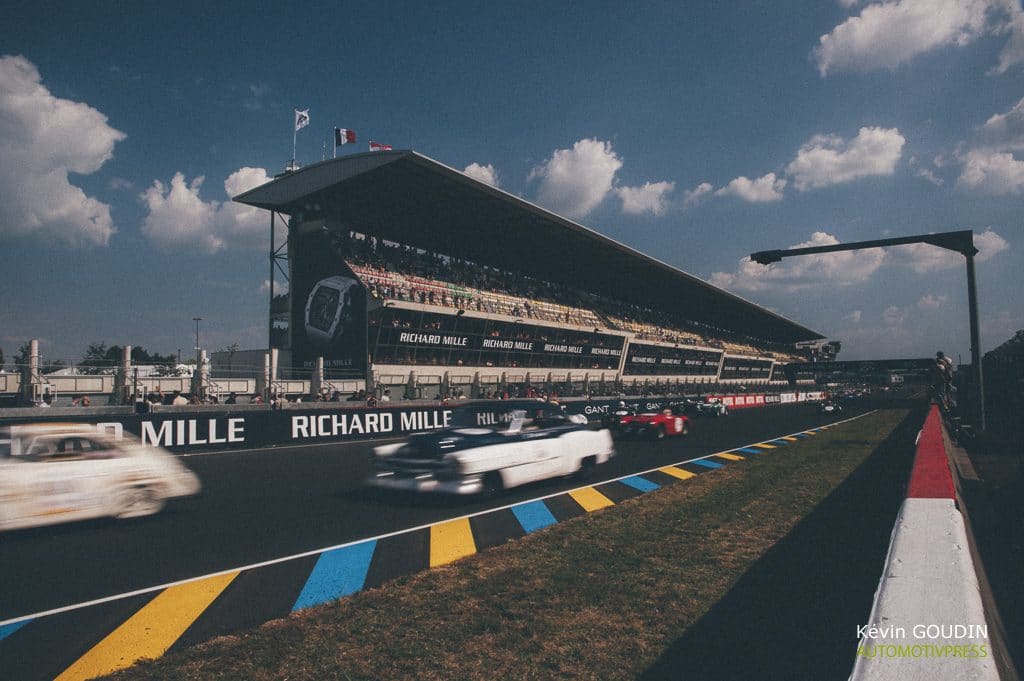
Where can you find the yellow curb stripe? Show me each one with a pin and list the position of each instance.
(730, 457)
(590, 499)
(450, 541)
(789, 438)
(677, 472)
(764, 446)
(152, 630)
(809, 432)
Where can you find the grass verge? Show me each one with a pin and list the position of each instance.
(614, 594)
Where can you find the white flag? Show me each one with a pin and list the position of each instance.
(301, 119)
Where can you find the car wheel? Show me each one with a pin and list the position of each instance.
(686, 429)
(138, 501)
(493, 485)
(586, 469)
(658, 433)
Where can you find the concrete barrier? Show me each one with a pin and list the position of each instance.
(927, 621)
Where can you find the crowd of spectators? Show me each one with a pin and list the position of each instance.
(397, 272)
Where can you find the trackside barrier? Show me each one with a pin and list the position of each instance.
(927, 620)
(185, 431)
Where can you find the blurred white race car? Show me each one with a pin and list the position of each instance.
(55, 473)
(475, 460)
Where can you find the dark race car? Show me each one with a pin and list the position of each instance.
(657, 425)
(829, 408)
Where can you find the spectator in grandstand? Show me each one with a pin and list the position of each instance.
(179, 400)
(232, 399)
(256, 399)
(336, 396)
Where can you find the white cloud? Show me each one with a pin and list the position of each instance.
(927, 258)
(844, 268)
(763, 189)
(921, 170)
(486, 174)
(179, 219)
(854, 317)
(1006, 130)
(119, 183)
(826, 160)
(574, 181)
(1013, 52)
(992, 167)
(894, 315)
(42, 139)
(887, 34)
(991, 172)
(694, 196)
(931, 301)
(650, 198)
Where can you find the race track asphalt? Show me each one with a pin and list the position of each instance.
(265, 504)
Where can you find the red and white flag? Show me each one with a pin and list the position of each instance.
(377, 146)
(343, 136)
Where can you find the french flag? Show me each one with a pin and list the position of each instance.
(343, 136)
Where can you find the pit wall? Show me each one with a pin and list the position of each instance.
(927, 622)
(182, 430)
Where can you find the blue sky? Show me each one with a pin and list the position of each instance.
(695, 132)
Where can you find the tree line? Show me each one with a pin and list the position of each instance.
(99, 358)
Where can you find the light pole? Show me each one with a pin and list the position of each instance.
(962, 242)
(197, 320)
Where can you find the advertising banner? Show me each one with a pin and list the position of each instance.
(644, 359)
(186, 432)
(328, 316)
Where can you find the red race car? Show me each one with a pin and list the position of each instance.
(656, 425)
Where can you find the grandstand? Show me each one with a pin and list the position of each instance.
(423, 280)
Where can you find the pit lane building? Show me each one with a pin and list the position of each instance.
(424, 280)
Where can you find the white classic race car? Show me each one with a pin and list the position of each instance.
(476, 460)
(55, 473)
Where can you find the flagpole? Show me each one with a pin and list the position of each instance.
(295, 133)
(335, 143)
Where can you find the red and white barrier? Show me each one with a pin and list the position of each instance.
(927, 621)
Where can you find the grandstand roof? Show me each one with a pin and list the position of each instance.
(406, 197)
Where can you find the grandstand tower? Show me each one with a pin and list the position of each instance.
(424, 280)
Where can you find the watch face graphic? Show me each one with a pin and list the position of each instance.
(328, 310)
(323, 307)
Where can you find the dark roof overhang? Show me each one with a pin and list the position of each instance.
(406, 197)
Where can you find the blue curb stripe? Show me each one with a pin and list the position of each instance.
(778, 442)
(707, 464)
(799, 434)
(9, 629)
(533, 516)
(337, 573)
(642, 484)
(749, 450)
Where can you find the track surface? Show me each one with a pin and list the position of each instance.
(259, 505)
